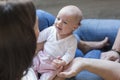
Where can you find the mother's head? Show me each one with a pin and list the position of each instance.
(17, 38)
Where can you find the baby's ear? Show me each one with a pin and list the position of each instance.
(75, 28)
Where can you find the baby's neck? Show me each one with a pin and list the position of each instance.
(62, 36)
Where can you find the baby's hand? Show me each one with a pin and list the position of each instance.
(58, 63)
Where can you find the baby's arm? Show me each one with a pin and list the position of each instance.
(43, 35)
(40, 46)
(66, 59)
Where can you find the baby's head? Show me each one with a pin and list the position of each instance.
(68, 19)
(72, 11)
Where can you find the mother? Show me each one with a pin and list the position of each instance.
(17, 38)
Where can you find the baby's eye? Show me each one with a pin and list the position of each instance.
(58, 19)
(65, 22)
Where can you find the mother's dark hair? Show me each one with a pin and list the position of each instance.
(17, 38)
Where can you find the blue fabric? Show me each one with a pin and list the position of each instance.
(85, 75)
(93, 54)
(79, 53)
(45, 19)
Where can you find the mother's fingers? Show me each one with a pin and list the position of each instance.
(67, 74)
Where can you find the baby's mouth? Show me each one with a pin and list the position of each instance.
(59, 28)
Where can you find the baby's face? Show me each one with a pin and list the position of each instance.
(65, 23)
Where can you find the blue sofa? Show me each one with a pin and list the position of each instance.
(90, 30)
(98, 29)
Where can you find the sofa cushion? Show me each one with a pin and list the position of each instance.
(98, 29)
(45, 19)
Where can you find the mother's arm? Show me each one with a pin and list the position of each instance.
(107, 69)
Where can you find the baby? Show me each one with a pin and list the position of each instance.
(60, 46)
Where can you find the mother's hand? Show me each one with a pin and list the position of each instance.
(72, 69)
(110, 55)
